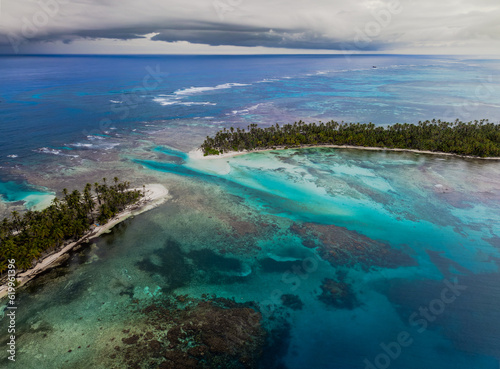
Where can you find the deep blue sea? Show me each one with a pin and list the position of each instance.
(354, 259)
(52, 105)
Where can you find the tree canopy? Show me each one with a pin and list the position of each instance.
(478, 138)
(25, 237)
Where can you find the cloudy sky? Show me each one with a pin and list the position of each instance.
(250, 26)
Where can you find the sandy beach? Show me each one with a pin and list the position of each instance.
(156, 194)
(198, 154)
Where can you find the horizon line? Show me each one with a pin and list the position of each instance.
(257, 54)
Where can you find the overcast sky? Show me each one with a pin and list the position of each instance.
(250, 26)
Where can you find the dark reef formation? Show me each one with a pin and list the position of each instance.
(193, 333)
(292, 301)
(338, 293)
(342, 247)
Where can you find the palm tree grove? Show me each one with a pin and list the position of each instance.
(27, 237)
(478, 138)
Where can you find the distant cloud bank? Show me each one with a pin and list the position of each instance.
(201, 25)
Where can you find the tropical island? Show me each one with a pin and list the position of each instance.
(476, 139)
(37, 239)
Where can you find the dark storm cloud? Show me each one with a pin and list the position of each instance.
(365, 25)
(290, 39)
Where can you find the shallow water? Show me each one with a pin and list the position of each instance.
(30, 196)
(267, 228)
(338, 249)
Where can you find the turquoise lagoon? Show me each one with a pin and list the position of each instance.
(342, 252)
(31, 197)
(254, 228)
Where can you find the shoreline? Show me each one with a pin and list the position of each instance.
(198, 154)
(156, 194)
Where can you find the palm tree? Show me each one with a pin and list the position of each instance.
(16, 220)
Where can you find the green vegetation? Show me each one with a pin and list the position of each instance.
(478, 138)
(26, 237)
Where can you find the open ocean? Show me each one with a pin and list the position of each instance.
(354, 259)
